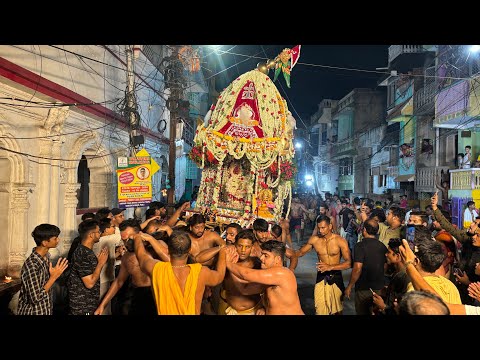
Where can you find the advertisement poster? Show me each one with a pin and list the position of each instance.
(134, 181)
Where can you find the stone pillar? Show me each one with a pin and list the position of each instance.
(18, 222)
(70, 226)
(43, 182)
(55, 183)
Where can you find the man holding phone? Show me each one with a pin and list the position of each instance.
(368, 268)
(470, 239)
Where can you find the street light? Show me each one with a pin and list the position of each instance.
(298, 145)
(474, 48)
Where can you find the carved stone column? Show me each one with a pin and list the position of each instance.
(55, 182)
(70, 226)
(48, 170)
(18, 232)
(43, 182)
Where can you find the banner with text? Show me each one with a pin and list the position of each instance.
(134, 181)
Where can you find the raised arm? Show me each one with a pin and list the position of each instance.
(159, 246)
(207, 254)
(419, 282)
(215, 277)
(176, 215)
(272, 276)
(144, 224)
(146, 261)
(460, 235)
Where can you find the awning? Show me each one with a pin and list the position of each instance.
(405, 178)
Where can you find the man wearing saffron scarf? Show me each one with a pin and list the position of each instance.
(177, 286)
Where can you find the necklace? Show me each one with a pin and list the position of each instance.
(179, 266)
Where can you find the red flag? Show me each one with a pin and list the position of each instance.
(295, 55)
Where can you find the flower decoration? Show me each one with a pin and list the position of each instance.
(196, 156)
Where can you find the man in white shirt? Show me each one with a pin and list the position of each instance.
(470, 213)
(109, 238)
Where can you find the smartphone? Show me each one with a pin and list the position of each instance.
(458, 272)
(373, 292)
(410, 235)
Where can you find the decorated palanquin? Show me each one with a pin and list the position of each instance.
(246, 152)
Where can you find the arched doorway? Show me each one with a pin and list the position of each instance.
(83, 174)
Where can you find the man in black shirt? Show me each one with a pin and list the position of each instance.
(368, 268)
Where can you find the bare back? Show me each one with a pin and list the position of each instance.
(139, 278)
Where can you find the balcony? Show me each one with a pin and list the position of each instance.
(343, 148)
(465, 179)
(427, 177)
(424, 100)
(396, 50)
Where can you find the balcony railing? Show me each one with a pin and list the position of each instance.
(423, 100)
(396, 50)
(344, 147)
(393, 171)
(427, 177)
(465, 179)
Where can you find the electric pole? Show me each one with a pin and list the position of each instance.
(174, 80)
(130, 111)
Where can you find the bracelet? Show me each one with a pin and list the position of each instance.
(409, 262)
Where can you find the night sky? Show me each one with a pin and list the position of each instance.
(309, 85)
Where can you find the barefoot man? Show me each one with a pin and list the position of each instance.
(281, 296)
(330, 249)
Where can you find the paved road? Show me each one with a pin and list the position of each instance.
(306, 274)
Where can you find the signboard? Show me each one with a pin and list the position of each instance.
(155, 166)
(134, 181)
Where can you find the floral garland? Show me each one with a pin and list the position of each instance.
(198, 156)
(283, 170)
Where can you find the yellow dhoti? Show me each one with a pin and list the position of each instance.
(327, 299)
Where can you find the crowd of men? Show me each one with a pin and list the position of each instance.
(176, 266)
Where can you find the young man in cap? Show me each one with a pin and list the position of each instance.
(118, 216)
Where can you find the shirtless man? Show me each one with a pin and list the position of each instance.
(142, 300)
(281, 296)
(330, 249)
(323, 211)
(231, 232)
(239, 297)
(296, 215)
(202, 239)
(188, 277)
